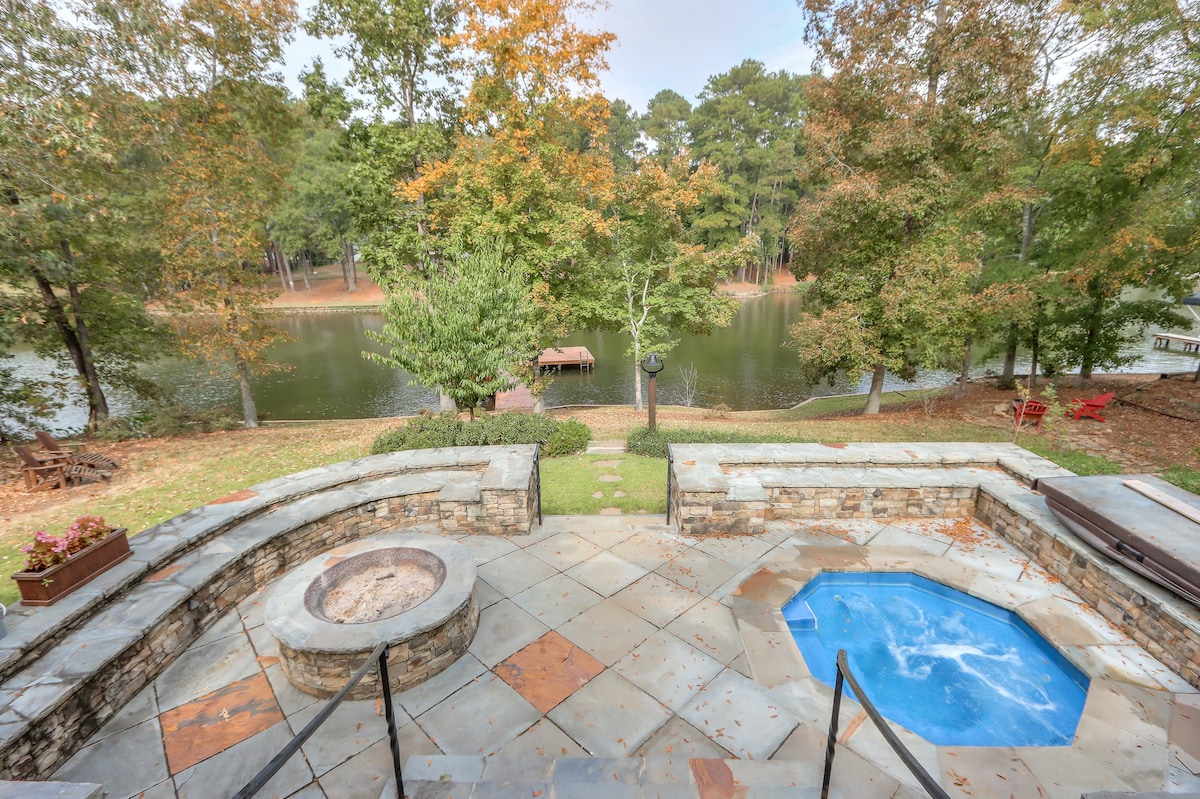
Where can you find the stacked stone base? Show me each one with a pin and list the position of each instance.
(410, 663)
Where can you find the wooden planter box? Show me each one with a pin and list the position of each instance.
(49, 586)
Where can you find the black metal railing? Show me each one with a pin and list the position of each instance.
(537, 476)
(379, 655)
(906, 757)
(670, 463)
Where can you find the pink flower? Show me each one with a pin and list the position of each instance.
(49, 550)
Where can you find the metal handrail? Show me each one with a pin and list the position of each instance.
(380, 654)
(906, 757)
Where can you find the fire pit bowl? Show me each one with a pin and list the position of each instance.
(415, 591)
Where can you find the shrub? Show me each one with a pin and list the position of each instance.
(162, 420)
(447, 430)
(572, 435)
(642, 442)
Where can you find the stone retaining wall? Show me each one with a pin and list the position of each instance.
(68, 668)
(726, 489)
(1161, 623)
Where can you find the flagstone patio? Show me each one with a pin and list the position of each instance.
(618, 658)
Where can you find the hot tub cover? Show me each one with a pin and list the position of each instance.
(1148, 537)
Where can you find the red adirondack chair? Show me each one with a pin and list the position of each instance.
(1089, 407)
(1028, 410)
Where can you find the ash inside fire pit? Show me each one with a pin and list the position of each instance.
(375, 585)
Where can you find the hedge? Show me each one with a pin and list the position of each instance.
(447, 430)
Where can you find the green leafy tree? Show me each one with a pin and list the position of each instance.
(1123, 177)
(665, 123)
(468, 328)
(747, 124)
(230, 122)
(516, 172)
(400, 63)
(906, 148)
(316, 211)
(651, 283)
(74, 255)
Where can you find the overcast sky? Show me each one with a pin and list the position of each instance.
(661, 44)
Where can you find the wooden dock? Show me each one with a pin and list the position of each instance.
(1190, 343)
(558, 357)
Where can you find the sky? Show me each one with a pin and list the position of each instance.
(661, 44)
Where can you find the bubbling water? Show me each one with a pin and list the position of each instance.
(946, 665)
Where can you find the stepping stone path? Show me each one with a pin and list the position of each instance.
(607, 448)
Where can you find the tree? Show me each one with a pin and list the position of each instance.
(229, 119)
(316, 212)
(73, 250)
(665, 123)
(650, 283)
(747, 124)
(400, 62)
(622, 138)
(516, 172)
(469, 328)
(1123, 177)
(906, 148)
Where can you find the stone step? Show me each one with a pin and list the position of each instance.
(477, 777)
(615, 447)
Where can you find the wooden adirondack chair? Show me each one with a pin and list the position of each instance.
(41, 475)
(73, 471)
(1028, 411)
(75, 455)
(1090, 408)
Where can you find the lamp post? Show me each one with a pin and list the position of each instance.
(652, 365)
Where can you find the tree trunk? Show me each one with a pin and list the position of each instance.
(273, 265)
(1007, 380)
(349, 271)
(249, 410)
(964, 374)
(1095, 318)
(305, 266)
(875, 398)
(637, 384)
(1033, 357)
(284, 267)
(80, 355)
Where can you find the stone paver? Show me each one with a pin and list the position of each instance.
(556, 600)
(610, 716)
(739, 715)
(607, 631)
(668, 669)
(503, 629)
(605, 573)
(549, 670)
(479, 718)
(657, 599)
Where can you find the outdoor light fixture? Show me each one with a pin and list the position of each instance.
(652, 365)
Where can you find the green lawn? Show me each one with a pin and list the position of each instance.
(570, 484)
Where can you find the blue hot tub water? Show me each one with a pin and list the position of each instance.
(952, 668)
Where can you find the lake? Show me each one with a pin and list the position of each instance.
(742, 366)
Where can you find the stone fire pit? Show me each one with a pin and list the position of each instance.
(415, 591)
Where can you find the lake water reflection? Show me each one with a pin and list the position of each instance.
(743, 366)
